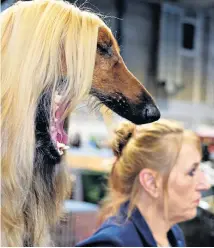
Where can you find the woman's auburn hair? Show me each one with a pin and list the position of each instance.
(156, 146)
(42, 42)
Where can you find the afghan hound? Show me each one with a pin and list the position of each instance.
(53, 56)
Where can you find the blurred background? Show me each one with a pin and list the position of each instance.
(169, 47)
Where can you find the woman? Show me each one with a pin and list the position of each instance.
(155, 183)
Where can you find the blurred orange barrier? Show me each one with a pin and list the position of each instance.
(94, 163)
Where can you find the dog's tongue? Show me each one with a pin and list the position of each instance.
(61, 136)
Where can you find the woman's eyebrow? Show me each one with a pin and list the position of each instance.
(196, 164)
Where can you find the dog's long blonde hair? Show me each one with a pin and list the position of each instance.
(42, 42)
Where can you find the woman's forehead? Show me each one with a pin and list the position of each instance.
(189, 154)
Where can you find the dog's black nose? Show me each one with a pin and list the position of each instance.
(150, 113)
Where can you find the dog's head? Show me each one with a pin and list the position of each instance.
(116, 87)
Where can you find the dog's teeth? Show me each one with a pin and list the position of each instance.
(57, 98)
(66, 147)
(62, 146)
(60, 152)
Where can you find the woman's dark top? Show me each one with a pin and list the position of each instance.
(118, 231)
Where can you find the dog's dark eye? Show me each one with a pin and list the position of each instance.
(103, 49)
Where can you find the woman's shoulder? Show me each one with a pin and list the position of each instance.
(179, 236)
(113, 234)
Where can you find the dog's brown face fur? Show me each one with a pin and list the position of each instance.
(116, 87)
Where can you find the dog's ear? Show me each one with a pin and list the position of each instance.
(104, 37)
(106, 40)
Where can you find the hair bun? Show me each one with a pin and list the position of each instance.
(122, 136)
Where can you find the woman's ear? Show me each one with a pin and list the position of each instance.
(150, 182)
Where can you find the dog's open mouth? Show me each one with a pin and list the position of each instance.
(58, 134)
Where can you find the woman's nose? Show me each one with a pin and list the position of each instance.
(203, 183)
